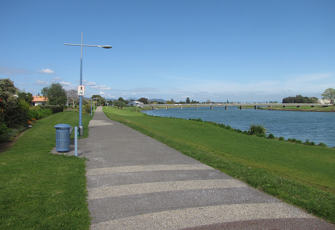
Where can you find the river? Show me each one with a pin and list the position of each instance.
(313, 126)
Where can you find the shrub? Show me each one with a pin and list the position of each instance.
(228, 127)
(198, 119)
(38, 114)
(298, 141)
(281, 139)
(309, 143)
(322, 144)
(257, 129)
(54, 108)
(271, 136)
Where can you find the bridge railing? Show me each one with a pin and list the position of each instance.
(233, 104)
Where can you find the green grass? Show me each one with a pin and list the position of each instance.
(302, 108)
(39, 190)
(298, 174)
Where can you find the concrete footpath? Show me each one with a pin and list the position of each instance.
(136, 182)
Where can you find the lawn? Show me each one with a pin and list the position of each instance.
(319, 108)
(39, 190)
(298, 174)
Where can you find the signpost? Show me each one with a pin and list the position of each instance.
(81, 90)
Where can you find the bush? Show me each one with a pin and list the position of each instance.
(322, 144)
(199, 119)
(38, 114)
(309, 143)
(228, 127)
(271, 136)
(281, 139)
(257, 129)
(54, 108)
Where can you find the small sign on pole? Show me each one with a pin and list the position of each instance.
(81, 90)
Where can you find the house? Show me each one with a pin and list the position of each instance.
(324, 101)
(136, 103)
(39, 100)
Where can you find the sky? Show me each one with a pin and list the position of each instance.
(218, 50)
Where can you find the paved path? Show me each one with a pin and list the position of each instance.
(135, 182)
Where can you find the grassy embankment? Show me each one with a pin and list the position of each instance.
(39, 190)
(298, 174)
(302, 108)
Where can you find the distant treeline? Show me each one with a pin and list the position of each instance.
(300, 99)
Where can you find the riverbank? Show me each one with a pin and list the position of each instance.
(298, 174)
(320, 108)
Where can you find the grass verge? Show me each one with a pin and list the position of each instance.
(298, 174)
(39, 190)
(320, 108)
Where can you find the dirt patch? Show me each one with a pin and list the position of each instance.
(4, 146)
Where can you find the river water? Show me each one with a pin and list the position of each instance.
(313, 126)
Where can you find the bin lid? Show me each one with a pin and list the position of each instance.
(63, 126)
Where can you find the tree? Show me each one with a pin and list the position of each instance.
(120, 104)
(27, 97)
(13, 111)
(188, 100)
(72, 97)
(329, 94)
(55, 93)
(143, 100)
(100, 100)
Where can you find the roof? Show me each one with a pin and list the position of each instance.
(39, 99)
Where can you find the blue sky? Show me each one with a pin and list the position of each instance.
(240, 50)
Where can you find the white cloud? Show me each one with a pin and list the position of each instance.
(103, 87)
(13, 71)
(49, 71)
(65, 83)
(39, 82)
(102, 93)
(90, 84)
(55, 79)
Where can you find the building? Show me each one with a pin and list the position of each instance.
(136, 103)
(39, 100)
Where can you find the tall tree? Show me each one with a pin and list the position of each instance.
(55, 93)
(329, 94)
(188, 100)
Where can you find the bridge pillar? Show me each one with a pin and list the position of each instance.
(298, 106)
(226, 107)
(240, 107)
(211, 107)
(312, 106)
(255, 107)
(181, 107)
(196, 107)
(166, 108)
(152, 108)
(284, 106)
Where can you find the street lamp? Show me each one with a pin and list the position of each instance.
(81, 129)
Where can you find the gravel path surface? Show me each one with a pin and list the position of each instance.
(136, 182)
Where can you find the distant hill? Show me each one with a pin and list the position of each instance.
(158, 100)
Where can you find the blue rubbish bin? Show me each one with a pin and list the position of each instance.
(63, 132)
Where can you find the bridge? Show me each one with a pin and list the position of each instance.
(238, 105)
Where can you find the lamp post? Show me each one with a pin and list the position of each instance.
(81, 76)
